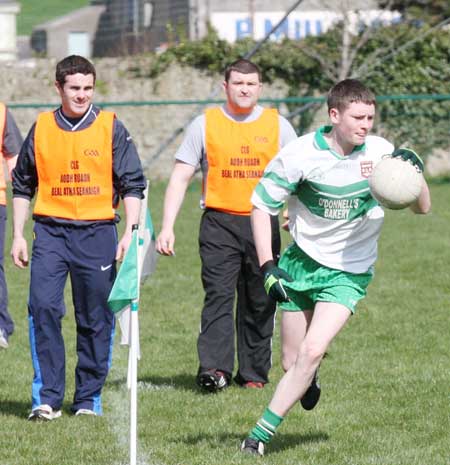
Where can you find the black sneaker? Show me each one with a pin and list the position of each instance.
(312, 394)
(213, 380)
(252, 446)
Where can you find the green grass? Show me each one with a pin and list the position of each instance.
(385, 382)
(34, 12)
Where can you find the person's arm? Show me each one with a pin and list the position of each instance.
(179, 180)
(12, 142)
(262, 235)
(280, 179)
(132, 207)
(11, 163)
(287, 132)
(128, 176)
(24, 175)
(19, 251)
(24, 184)
(129, 182)
(423, 204)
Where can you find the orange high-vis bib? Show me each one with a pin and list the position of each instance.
(74, 169)
(237, 154)
(2, 163)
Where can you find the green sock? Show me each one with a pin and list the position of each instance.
(265, 428)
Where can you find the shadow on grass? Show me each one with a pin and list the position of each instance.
(15, 408)
(23, 409)
(280, 443)
(182, 381)
(283, 442)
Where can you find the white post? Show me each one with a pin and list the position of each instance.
(8, 36)
(134, 353)
(133, 358)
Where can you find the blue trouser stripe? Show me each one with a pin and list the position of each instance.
(97, 399)
(37, 380)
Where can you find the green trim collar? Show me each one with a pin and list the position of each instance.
(322, 144)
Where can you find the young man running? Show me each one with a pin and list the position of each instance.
(335, 224)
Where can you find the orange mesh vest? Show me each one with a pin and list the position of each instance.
(237, 154)
(74, 169)
(2, 164)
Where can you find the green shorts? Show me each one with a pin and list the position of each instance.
(314, 282)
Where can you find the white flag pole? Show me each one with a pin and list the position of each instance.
(132, 363)
(134, 336)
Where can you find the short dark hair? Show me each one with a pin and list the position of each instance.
(73, 64)
(348, 91)
(242, 66)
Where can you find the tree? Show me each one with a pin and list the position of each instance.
(398, 59)
(426, 11)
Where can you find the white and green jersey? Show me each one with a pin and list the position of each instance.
(332, 215)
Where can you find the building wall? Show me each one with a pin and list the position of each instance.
(123, 31)
(256, 18)
(128, 27)
(284, 5)
(8, 48)
(52, 38)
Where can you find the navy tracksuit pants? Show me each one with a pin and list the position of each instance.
(6, 322)
(229, 267)
(87, 255)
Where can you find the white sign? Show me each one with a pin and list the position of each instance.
(78, 44)
(238, 25)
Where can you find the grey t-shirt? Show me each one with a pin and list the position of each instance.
(193, 148)
(12, 139)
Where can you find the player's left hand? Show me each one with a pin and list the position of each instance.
(409, 155)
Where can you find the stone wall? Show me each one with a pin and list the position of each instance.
(32, 82)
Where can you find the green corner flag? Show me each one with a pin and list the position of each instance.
(138, 263)
(126, 285)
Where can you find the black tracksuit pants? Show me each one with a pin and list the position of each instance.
(229, 267)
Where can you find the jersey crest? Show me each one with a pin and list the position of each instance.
(366, 168)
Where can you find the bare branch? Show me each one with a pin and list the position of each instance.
(326, 67)
(345, 47)
(362, 40)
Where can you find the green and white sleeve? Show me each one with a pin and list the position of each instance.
(279, 181)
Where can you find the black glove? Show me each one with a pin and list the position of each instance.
(272, 283)
(408, 154)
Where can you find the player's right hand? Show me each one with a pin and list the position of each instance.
(409, 155)
(165, 243)
(19, 252)
(272, 281)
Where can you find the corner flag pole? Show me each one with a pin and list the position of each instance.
(138, 263)
(134, 353)
(132, 368)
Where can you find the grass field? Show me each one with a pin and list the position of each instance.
(34, 12)
(385, 397)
